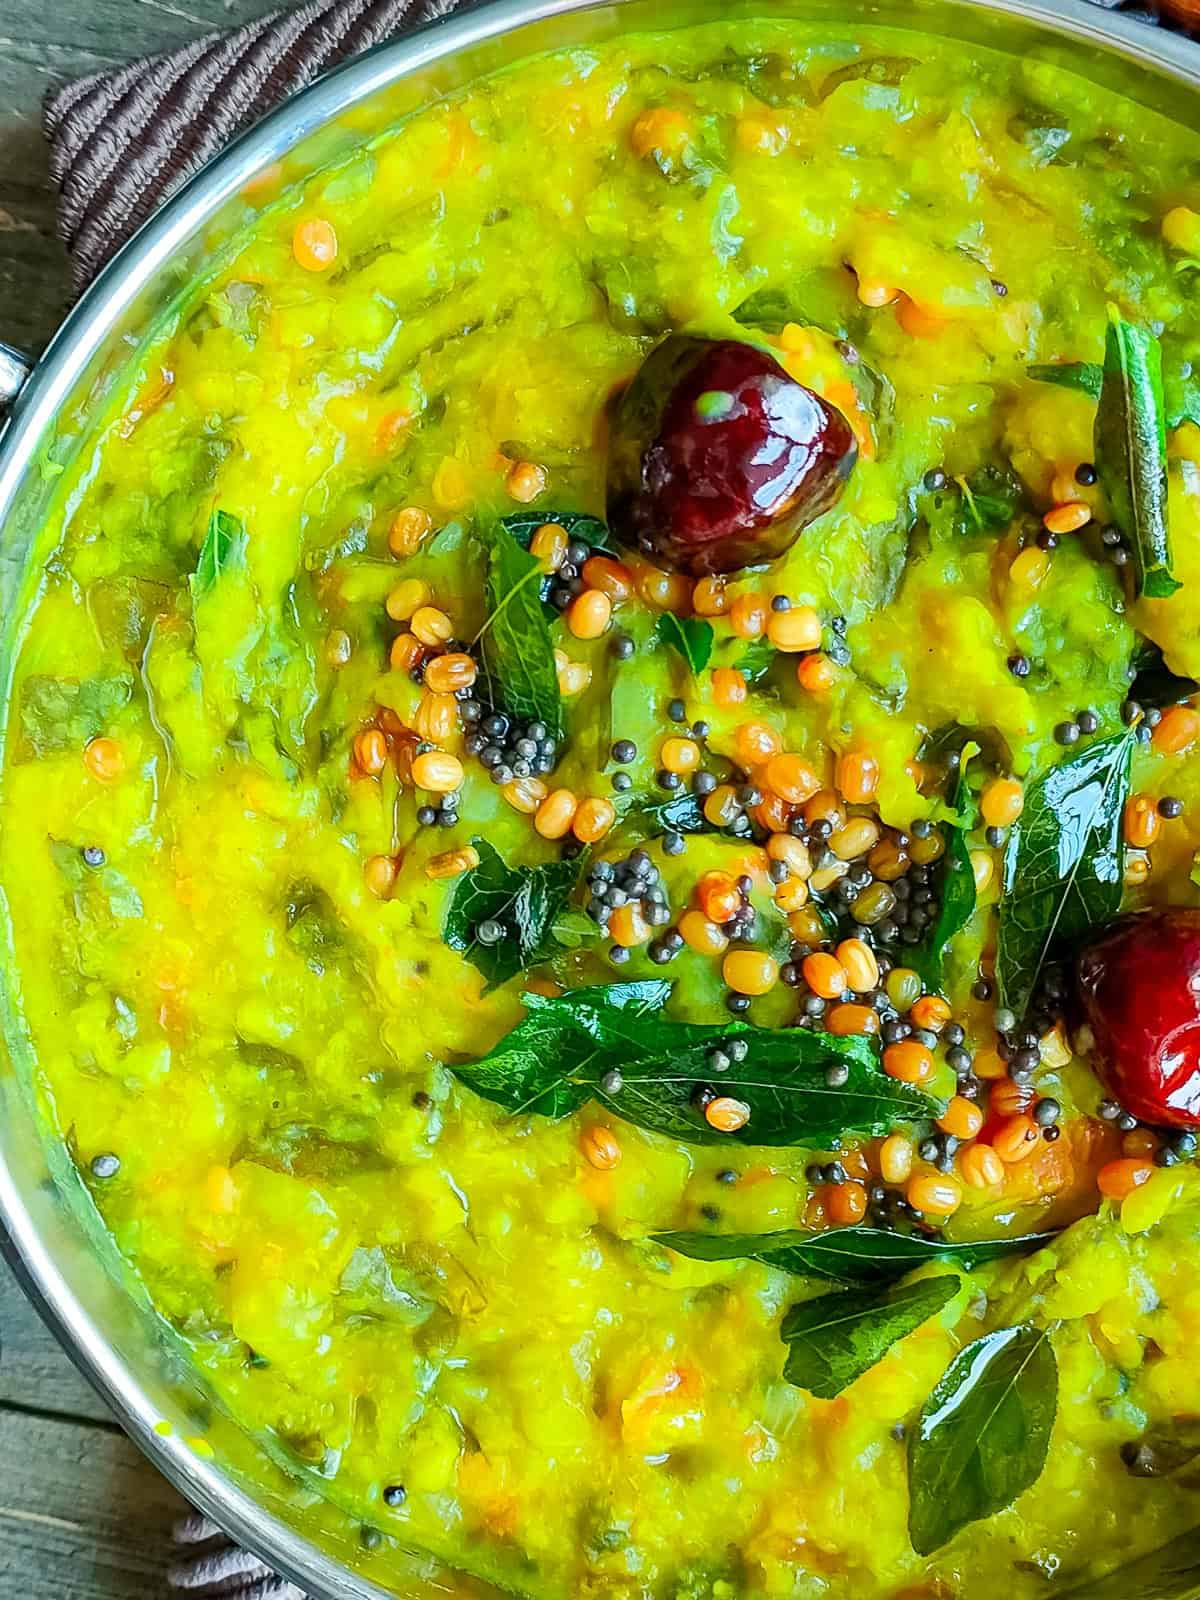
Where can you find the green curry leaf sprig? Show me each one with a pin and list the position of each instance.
(982, 1435)
(987, 501)
(1131, 452)
(610, 1043)
(580, 525)
(518, 654)
(1063, 864)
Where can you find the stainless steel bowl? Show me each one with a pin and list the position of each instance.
(54, 1239)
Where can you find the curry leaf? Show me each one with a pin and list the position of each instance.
(990, 499)
(1181, 387)
(223, 549)
(525, 901)
(680, 813)
(66, 713)
(690, 637)
(1063, 865)
(1155, 686)
(531, 1069)
(517, 651)
(985, 502)
(982, 1435)
(1131, 452)
(846, 1255)
(835, 1338)
(755, 660)
(1172, 1572)
(955, 887)
(612, 1044)
(576, 524)
(821, 298)
(1085, 376)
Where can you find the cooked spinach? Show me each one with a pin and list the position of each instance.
(375, 1283)
(886, 71)
(1063, 864)
(1172, 1572)
(846, 1255)
(877, 397)
(822, 298)
(835, 1338)
(97, 893)
(525, 901)
(518, 655)
(982, 1435)
(1181, 387)
(313, 1153)
(66, 713)
(1131, 452)
(774, 78)
(223, 550)
(690, 637)
(124, 609)
(567, 1049)
(1165, 1448)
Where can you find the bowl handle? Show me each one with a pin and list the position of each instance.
(14, 369)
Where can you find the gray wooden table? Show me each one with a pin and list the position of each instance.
(82, 1515)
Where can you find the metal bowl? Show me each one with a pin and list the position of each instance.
(54, 1238)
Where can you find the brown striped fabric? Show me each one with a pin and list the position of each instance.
(121, 141)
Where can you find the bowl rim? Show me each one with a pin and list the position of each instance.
(80, 338)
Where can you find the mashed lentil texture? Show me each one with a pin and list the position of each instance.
(348, 747)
